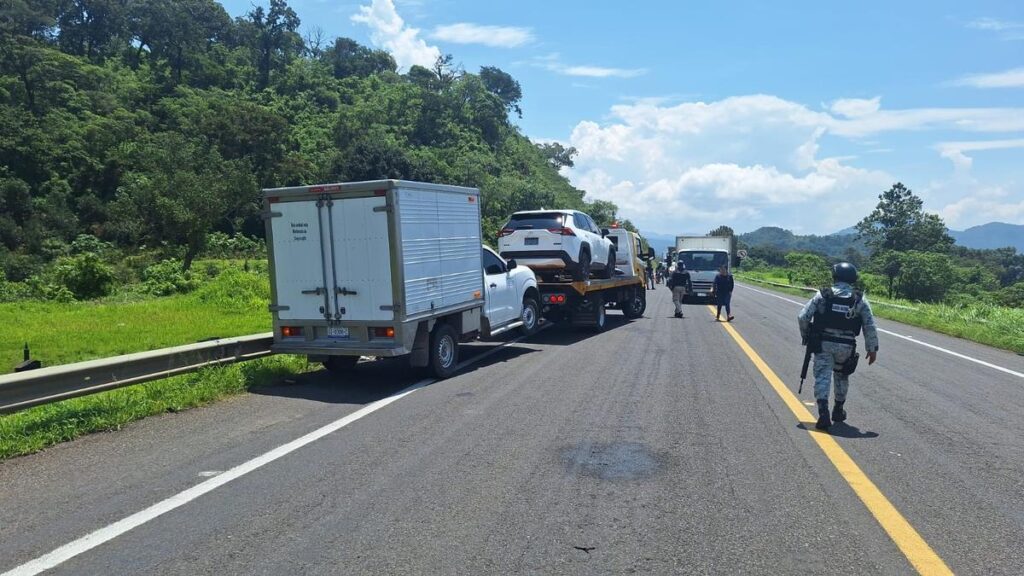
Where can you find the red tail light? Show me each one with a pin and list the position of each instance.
(554, 298)
(291, 331)
(382, 332)
(505, 232)
(562, 231)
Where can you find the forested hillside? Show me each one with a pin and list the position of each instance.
(145, 125)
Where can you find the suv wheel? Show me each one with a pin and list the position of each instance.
(583, 268)
(609, 269)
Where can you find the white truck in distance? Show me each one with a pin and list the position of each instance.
(702, 256)
(388, 268)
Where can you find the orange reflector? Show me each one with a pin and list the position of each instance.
(476, 295)
(384, 332)
(291, 331)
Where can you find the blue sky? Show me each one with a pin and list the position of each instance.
(693, 114)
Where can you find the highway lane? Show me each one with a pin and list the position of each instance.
(654, 447)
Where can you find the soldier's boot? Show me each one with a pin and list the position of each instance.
(823, 422)
(838, 412)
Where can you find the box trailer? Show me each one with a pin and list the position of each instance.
(383, 268)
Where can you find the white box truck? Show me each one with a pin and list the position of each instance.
(387, 268)
(702, 256)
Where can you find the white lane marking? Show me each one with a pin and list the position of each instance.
(210, 473)
(108, 533)
(911, 339)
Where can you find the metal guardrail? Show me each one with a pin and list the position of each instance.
(809, 289)
(25, 389)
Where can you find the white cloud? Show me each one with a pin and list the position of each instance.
(494, 36)
(741, 160)
(553, 63)
(389, 31)
(1013, 78)
(856, 107)
(994, 24)
(1004, 29)
(985, 205)
(954, 151)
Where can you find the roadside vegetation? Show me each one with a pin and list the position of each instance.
(36, 428)
(911, 264)
(998, 326)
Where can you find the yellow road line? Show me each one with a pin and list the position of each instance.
(913, 546)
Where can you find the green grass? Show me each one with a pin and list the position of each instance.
(232, 304)
(32, 430)
(998, 326)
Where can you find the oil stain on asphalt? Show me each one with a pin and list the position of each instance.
(611, 461)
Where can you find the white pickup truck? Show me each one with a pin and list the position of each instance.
(388, 268)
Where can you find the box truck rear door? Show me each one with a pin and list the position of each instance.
(362, 259)
(299, 279)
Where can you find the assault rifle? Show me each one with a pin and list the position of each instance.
(813, 345)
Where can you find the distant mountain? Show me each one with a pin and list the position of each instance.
(991, 235)
(834, 245)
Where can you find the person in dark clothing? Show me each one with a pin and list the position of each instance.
(679, 284)
(722, 290)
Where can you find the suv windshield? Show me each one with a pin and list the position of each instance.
(536, 221)
(702, 261)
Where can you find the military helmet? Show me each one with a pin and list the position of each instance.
(844, 272)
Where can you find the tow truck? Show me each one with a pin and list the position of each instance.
(584, 303)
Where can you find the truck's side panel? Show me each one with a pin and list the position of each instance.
(362, 259)
(297, 260)
(421, 249)
(461, 265)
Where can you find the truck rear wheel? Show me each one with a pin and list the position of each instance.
(636, 304)
(341, 364)
(444, 351)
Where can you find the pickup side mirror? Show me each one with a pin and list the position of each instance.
(650, 253)
(512, 264)
(604, 232)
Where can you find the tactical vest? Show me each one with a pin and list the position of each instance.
(839, 313)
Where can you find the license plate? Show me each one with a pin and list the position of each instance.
(532, 241)
(702, 294)
(337, 332)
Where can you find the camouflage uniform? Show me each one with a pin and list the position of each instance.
(834, 354)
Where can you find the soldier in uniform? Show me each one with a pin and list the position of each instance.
(831, 322)
(680, 285)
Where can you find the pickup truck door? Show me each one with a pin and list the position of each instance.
(500, 289)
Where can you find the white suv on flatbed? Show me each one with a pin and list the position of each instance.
(553, 241)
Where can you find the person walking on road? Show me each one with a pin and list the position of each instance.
(650, 275)
(830, 323)
(722, 291)
(679, 284)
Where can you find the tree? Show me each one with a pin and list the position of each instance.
(177, 33)
(274, 39)
(722, 231)
(178, 192)
(445, 71)
(899, 222)
(924, 276)
(348, 58)
(558, 155)
(504, 86)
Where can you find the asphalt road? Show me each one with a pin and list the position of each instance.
(655, 447)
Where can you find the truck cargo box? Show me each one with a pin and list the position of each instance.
(350, 261)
